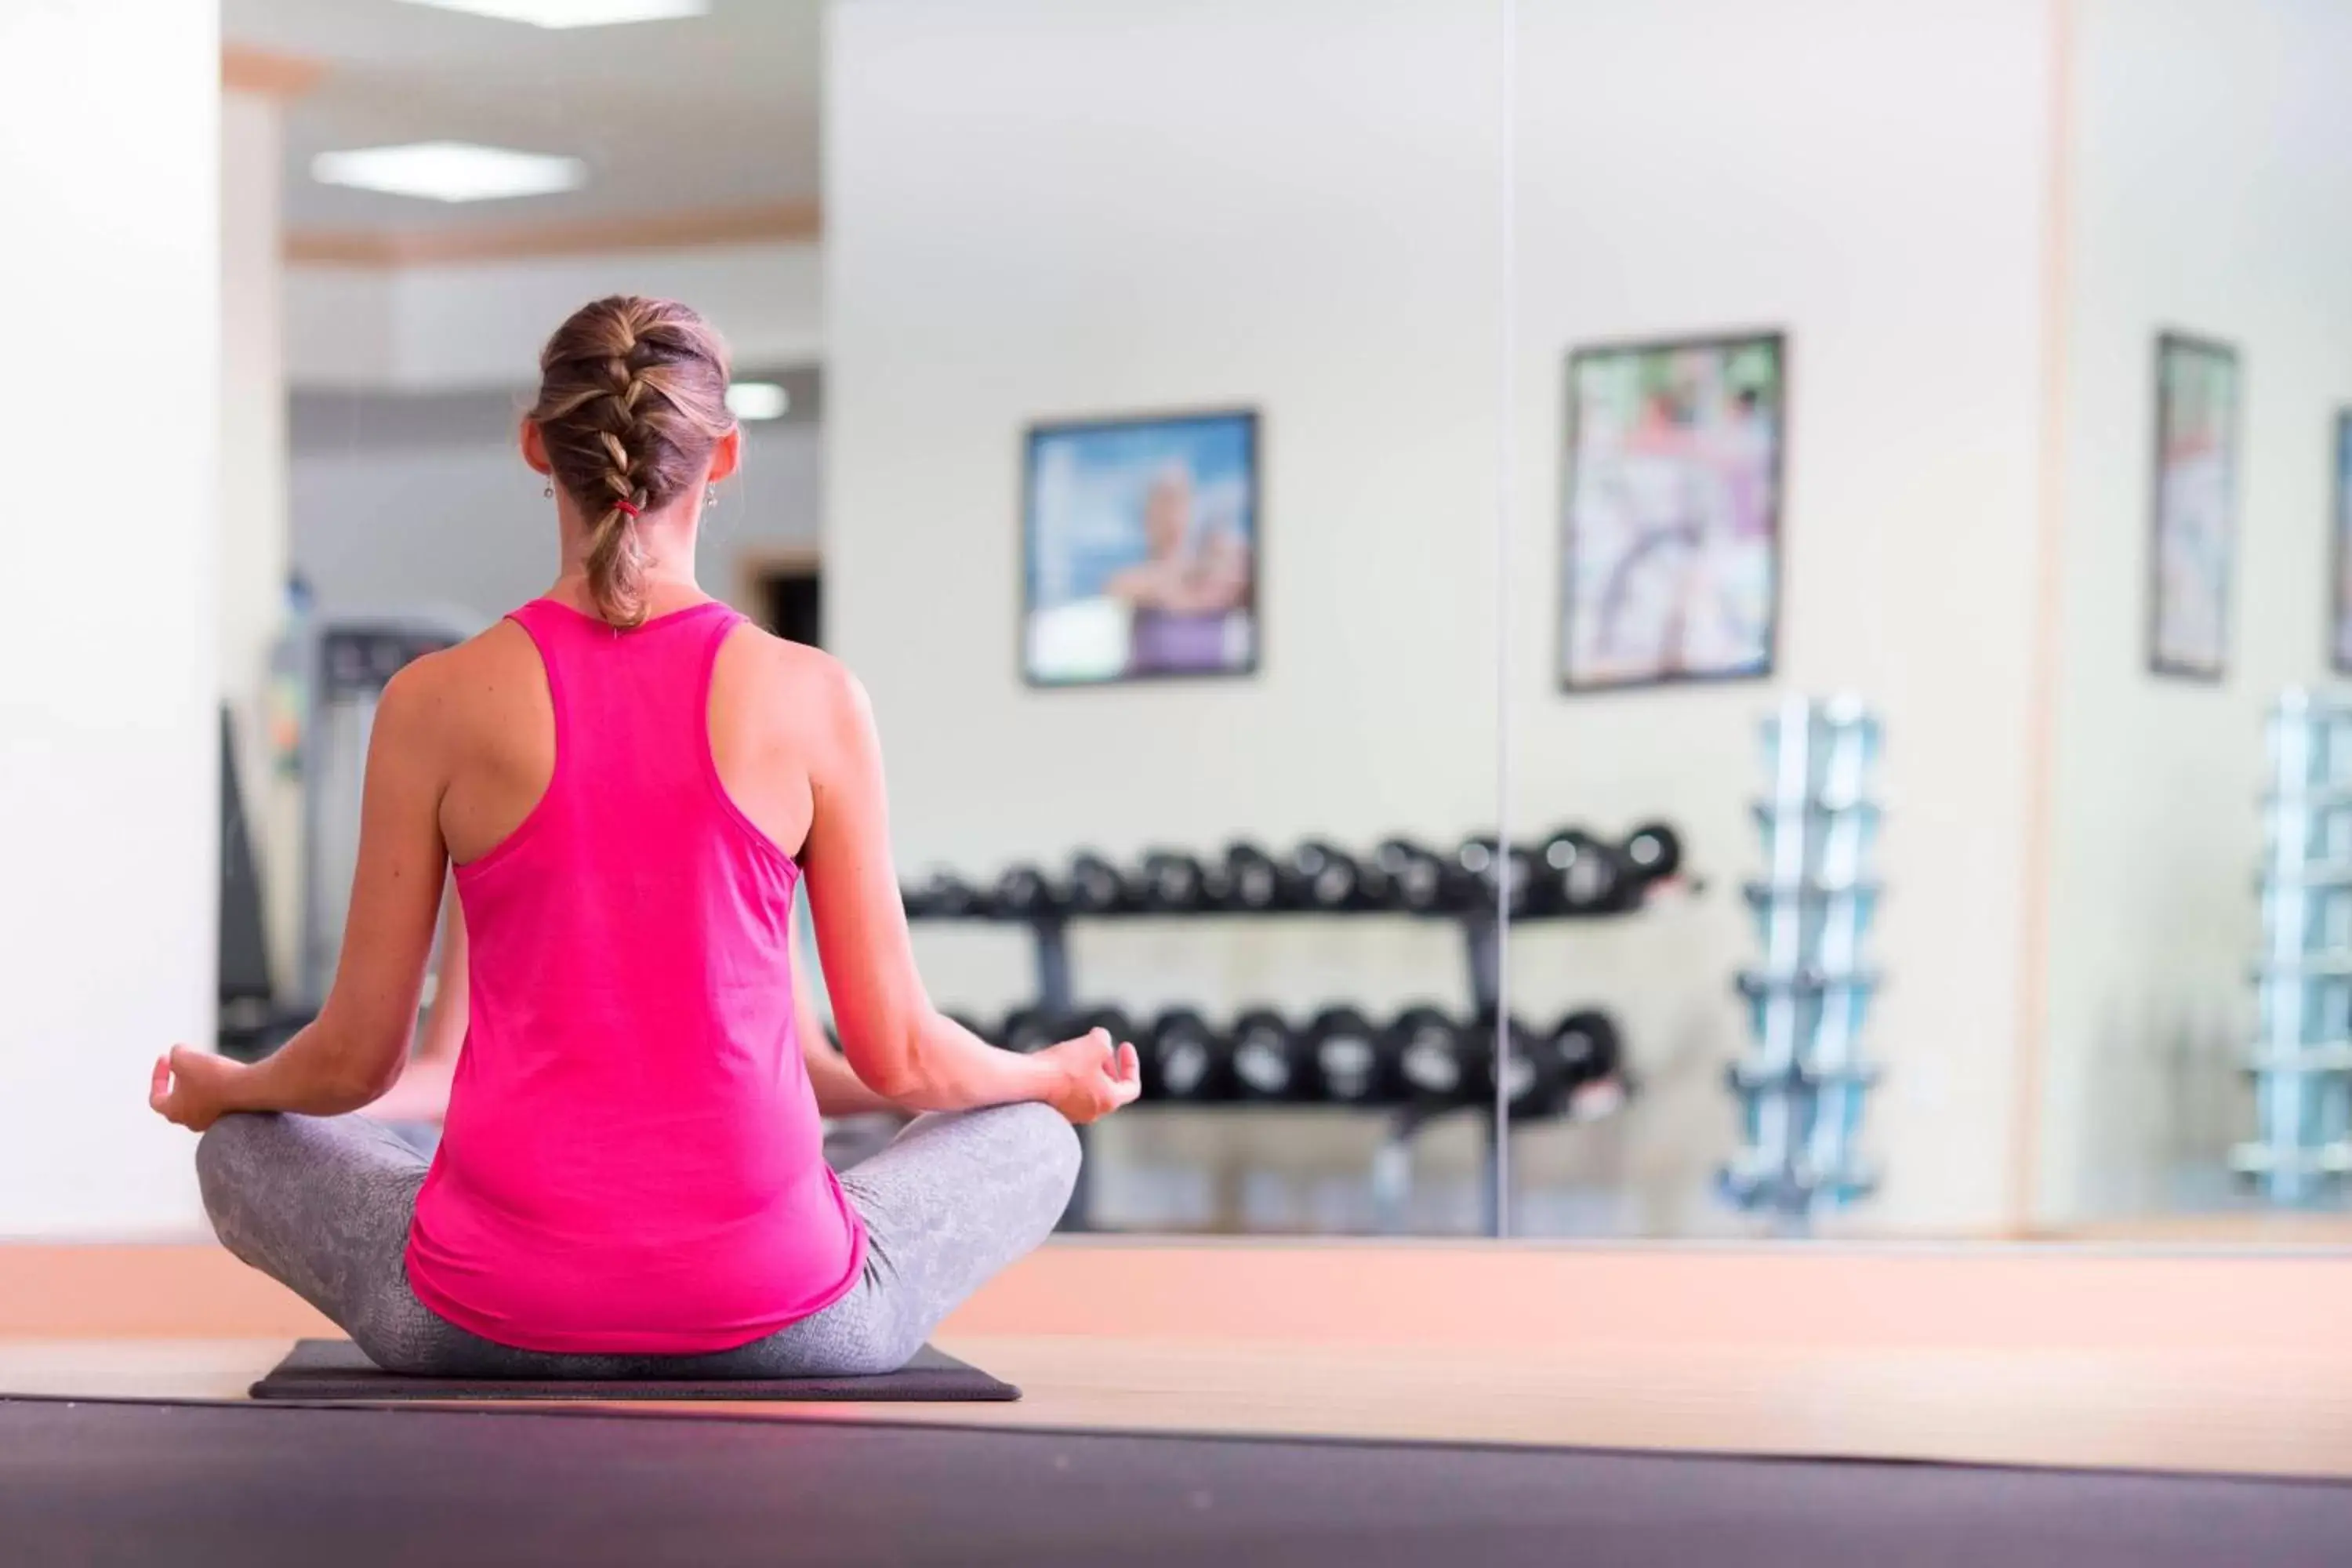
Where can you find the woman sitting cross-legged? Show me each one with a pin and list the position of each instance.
(630, 782)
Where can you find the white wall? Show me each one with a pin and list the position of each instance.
(253, 552)
(1870, 180)
(253, 392)
(456, 521)
(2213, 196)
(1041, 208)
(343, 326)
(108, 747)
(479, 325)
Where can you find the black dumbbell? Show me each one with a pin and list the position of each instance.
(1588, 1047)
(1484, 867)
(1185, 1059)
(1112, 1021)
(1216, 884)
(1027, 1029)
(1271, 1059)
(1171, 882)
(1583, 876)
(1096, 887)
(1254, 882)
(940, 895)
(1653, 850)
(1355, 1061)
(1329, 878)
(1431, 1056)
(1414, 878)
(1537, 1078)
(1543, 1088)
(1024, 892)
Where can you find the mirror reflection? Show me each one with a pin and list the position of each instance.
(1937, 520)
(1119, 449)
(1926, 447)
(2197, 1008)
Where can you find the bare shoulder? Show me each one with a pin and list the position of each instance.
(479, 680)
(808, 690)
(499, 658)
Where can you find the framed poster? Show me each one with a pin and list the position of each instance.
(2339, 615)
(1139, 547)
(1670, 517)
(2194, 518)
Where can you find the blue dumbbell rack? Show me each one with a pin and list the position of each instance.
(1803, 1084)
(2301, 1060)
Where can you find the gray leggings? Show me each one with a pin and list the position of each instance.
(322, 1205)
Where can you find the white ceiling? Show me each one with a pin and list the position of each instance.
(713, 111)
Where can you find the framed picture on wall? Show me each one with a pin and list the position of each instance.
(2194, 523)
(1670, 512)
(1139, 549)
(2339, 616)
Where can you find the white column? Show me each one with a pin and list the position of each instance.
(254, 535)
(108, 178)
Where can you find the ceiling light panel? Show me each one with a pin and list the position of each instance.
(758, 400)
(449, 170)
(574, 13)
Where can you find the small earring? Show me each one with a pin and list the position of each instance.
(709, 497)
(549, 491)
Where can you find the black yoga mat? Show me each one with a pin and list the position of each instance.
(259, 1485)
(335, 1369)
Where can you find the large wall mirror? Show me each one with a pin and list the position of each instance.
(2197, 1004)
(1777, 510)
(1872, 762)
(1931, 507)
(1119, 390)
(1159, 457)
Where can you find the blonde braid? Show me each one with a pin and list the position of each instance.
(632, 396)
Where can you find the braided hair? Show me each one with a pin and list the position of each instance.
(632, 398)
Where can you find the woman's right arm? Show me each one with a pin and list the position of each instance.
(899, 1045)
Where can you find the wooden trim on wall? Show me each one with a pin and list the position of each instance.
(2029, 1116)
(572, 236)
(1769, 1297)
(266, 73)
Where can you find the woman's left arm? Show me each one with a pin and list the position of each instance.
(354, 1051)
(839, 1090)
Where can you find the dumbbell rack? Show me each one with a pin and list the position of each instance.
(1803, 1084)
(1481, 931)
(2301, 1063)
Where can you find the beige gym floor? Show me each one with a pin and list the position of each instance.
(2078, 1357)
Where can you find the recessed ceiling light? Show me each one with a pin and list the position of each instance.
(449, 170)
(758, 400)
(574, 13)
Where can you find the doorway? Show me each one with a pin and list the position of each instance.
(785, 593)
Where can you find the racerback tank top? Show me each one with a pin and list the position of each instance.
(633, 1161)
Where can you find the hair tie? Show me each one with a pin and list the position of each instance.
(628, 506)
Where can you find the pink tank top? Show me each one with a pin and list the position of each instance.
(633, 1161)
